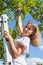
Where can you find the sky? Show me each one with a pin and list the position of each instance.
(34, 51)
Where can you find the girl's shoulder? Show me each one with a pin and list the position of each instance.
(22, 38)
(26, 38)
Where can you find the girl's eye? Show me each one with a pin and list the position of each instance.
(28, 28)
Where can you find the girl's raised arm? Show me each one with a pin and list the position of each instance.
(20, 21)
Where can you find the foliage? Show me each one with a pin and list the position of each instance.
(13, 32)
(41, 28)
(27, 55)
(1, 49)
(33, 7)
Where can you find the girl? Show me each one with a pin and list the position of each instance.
(19, 48)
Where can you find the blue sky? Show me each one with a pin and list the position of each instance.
(34, 51)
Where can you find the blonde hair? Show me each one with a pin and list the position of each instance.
(35, 38)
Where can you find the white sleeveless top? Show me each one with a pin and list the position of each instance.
(26, 42)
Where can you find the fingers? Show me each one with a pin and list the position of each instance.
(5, 32)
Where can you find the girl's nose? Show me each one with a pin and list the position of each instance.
(26, 28)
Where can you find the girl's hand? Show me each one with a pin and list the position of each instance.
(7, 35)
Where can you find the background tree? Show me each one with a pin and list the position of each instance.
(33, 7)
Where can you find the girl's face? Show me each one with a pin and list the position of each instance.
(28, 30)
